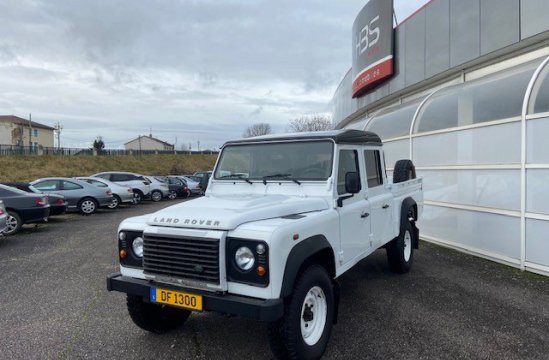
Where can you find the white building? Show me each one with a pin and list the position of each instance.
(467, 99)
(148, 143)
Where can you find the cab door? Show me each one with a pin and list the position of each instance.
(354, 214)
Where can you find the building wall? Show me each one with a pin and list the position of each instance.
(146, 143)
(5, 134)
(447, 36)
(38, 136)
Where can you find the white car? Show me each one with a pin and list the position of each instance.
(3, 218)
(140, 185)
(121, 194)
(159, 189)
(284, 216)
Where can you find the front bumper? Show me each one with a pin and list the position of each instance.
(263, 310)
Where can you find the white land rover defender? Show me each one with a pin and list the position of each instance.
(283, 217)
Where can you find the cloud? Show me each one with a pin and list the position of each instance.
(198, 70)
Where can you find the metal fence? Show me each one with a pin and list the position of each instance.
(7, 150)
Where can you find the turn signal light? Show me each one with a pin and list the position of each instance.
(40, 202)
(123, 254)
(261, 271)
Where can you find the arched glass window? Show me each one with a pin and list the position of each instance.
(539, 101)
(495, 97)
(395, 121)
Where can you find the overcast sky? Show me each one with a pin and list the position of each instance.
(198, 70)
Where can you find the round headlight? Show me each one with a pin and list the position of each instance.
(137, 246)
(244, 258)
(122, 236)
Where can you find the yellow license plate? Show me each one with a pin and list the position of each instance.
(176, 298)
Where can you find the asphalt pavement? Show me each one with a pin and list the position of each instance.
(54, 305)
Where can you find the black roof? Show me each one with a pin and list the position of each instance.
(338, 136)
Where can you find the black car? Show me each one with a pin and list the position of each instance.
(58, 204)
(178, 188)
(23, 208)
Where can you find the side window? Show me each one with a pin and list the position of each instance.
(97, 183)
(119, 177)
(47, 185)
(372, 159)
(103, 176)
(348, 162)
(67, 185)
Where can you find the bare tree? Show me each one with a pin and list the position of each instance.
(315, 122)
(257, 130)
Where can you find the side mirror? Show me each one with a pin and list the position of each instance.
(352, 183)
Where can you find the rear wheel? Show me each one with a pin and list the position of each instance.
(115, 202)
(155, 318)
(14, 223)
(156, 196)
(304, 330)
(87, 206)
(137, 197)
(400, 251)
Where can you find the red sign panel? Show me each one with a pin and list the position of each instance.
(373, 75)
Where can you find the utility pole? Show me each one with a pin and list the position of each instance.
(58, 127)
(175, 146)
(30, 130)
(198, 143)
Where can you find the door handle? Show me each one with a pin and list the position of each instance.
(385, 206)
(364, 215)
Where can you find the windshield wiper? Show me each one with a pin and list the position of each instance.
(238, 176)
(280, 176)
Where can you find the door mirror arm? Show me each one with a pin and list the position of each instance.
(342, 198)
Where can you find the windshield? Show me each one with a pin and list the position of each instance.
(311, 160)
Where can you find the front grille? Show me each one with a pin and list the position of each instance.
(182, 258)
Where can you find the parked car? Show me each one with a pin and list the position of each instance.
(192, 183)
(178, 188)
(58, 204)
(204, 180)
(121, 194)
(80, 195)
(202, 174)
(141, 186)
(159, 189)
(3, 218)
(23, 208)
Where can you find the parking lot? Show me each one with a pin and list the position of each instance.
(53, 304)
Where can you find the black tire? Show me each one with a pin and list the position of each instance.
(14, 223)
(87, 206)
(116, 201)
(400, 260)
(137, 197)
(286, 337)
(155, 318)
(156, 196)
(404, 171)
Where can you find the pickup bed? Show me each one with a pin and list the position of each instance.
(283, 217)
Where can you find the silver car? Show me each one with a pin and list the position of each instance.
(192, 184)
(121, 194)
(79, 194)
(159, 189)
(3, 217)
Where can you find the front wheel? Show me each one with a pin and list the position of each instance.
(304, 330)
(155, 318)
(137, 197)
(172, 195)
(400, 251)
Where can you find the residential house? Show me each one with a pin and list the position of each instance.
(22, 132)
(148, 143)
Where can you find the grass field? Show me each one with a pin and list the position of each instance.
(28, 168)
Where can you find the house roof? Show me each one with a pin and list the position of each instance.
(152, 138)
(20, 121)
